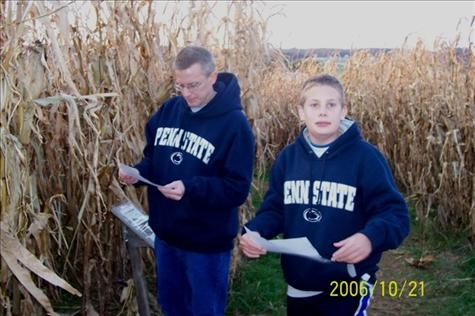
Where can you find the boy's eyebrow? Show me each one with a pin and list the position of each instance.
(318, 100)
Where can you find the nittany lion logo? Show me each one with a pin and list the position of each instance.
(312, 215)
(176, 157)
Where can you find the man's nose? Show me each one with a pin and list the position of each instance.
(185, 92)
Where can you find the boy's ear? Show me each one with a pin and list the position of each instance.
(301, 113)
(344, 112)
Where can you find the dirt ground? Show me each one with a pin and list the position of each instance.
(394, 268)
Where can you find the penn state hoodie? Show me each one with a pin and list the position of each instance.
(212, 152)
(349, 189)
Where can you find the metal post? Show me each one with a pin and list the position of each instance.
(133, 243)
(136, 234)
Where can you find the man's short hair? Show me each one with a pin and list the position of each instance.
(191, 55)
(322, 80)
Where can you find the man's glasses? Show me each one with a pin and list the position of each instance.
(192, 87)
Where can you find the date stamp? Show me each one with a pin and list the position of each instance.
(392, 288)
(403, 288)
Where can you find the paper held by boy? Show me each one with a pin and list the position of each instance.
(133, 172)
(294, 246)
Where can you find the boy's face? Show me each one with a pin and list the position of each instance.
(194, 85)
(322, 113)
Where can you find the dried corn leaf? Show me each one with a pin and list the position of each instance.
(23, 275)
(57, 99)
(13, 251)
(90, 311)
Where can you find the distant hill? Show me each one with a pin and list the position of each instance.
(296, 53)
(324, 53)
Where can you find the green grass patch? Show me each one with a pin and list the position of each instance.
(259, 288)
(445, 264)
(449, 279)
(67, 303)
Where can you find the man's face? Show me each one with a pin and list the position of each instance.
(194, 85)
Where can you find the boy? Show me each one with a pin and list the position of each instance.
(337, 190)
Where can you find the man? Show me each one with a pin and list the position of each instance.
(200, 147)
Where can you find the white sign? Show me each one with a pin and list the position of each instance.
(135, 220)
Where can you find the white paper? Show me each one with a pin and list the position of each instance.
(291, 246)
(294, 246)
(133, 172)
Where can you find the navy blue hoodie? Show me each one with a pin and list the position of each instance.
(212, 152)
(349, 189)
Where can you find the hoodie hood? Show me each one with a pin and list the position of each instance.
(349, 134)
(227, 98)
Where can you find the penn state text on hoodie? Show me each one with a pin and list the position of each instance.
(212, 152)
(349, 189)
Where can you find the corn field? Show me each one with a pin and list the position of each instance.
(75, 98)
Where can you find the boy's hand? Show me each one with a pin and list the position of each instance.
(353, 249)
(250, 247)
(174, 190)
(126, 179)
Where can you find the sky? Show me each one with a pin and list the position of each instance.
(351, 24)
(369, 24)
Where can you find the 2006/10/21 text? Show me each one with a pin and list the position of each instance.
(391, 288)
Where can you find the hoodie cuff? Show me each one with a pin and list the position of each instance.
(376, 236)
(189, 186)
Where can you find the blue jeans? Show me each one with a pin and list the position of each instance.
(191, 283)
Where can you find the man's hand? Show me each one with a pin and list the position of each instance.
(174, 190)
(353, 249)
(126, 179)
(250, 247)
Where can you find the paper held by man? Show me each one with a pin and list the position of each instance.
(133, 172)
(294, 246)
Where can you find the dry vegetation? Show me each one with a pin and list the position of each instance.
(418, 107)
(95, 88)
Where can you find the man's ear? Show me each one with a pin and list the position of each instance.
(213, 76)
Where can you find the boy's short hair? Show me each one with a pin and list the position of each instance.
(322, 80)
(191, 55)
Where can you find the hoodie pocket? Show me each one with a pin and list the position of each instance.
(309, 275)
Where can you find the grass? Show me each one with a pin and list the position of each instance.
(259, 288)
(448, 275)
(67, 304)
